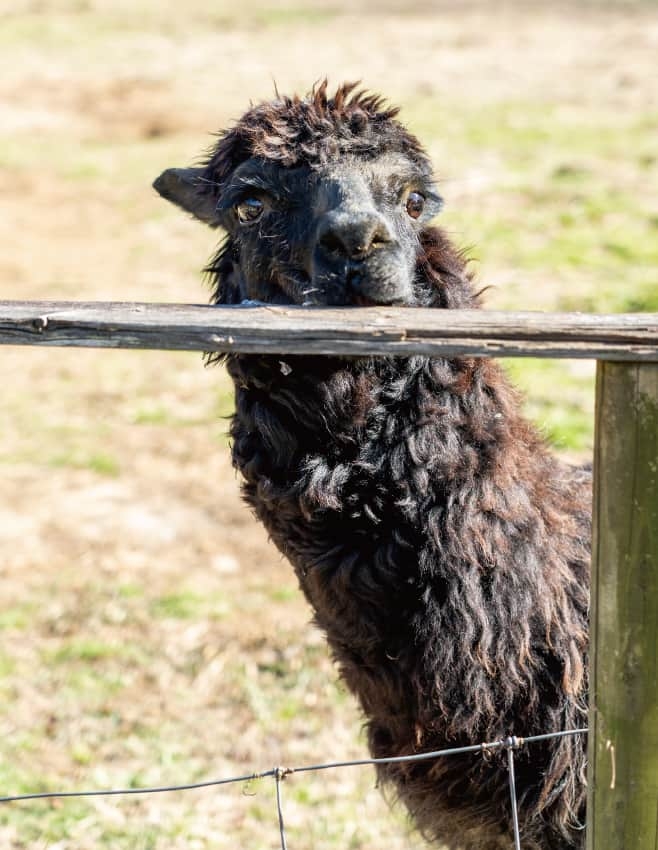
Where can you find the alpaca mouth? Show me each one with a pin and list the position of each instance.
(364, 301)
(357, 283)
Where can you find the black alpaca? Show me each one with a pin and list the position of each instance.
(444, 550)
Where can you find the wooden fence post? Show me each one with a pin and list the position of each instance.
(623, 749)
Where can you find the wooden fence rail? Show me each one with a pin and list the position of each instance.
(623, 723)
(301, 330)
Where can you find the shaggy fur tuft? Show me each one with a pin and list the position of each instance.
(444, 550)
(294, 130)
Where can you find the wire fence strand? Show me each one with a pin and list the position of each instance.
(510, 744)
(513, 744)
(279, 775)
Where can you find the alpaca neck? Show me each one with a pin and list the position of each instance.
(438, 413)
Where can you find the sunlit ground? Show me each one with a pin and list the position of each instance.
(150, 634)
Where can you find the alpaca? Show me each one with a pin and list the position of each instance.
(443, 549)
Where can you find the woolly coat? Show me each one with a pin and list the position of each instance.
(445, 554)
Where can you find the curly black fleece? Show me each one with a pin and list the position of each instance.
(444, 550)
(445, 555)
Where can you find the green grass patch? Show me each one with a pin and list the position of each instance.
(86, 649)
(283, 594)
(130, 591)
(7, 665)
(178, 606)
(568, 196)
(188, 605)
(47, 823)
(99, 462)
(166, 417)
(568, 425)
(17, 616)
(57, 31)
(152, 416)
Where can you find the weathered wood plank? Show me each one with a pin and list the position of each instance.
(623, 779)
(347, 330)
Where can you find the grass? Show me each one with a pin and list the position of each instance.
(565, 200)
(569, 425)
(99, 462)
(188, 605)
(150, 633)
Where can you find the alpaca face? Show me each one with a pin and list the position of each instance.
(325, 201)
(343, 233)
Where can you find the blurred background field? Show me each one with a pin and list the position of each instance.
(149, 633)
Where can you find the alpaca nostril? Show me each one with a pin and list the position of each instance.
(381, 236)
(332, 243)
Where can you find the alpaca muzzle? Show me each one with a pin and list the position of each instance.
(357, 259)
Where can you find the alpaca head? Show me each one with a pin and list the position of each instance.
(325, 201)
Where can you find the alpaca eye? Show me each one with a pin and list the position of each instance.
(415, 204)
(249, 210)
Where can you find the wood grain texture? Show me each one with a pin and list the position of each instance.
(346, 330)
(623, 751)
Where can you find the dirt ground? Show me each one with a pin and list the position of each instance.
(150, 633)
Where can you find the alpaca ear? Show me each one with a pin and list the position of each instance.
(189, 189)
